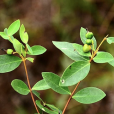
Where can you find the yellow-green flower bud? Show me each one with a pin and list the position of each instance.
(86, 48)
(9, 51)
(89, 35)
(89, 41)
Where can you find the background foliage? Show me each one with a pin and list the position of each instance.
(58, 20)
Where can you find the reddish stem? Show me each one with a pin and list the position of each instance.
(30, 86)
(70, 97)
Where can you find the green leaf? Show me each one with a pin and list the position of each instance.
(111, 62)
(6, 31)
(103, 57)
(43, 108)
(23, 34)
(37, 94)
(25, 37)
(4, 35)
(89, 95)
(53, 81)
(30, 59)
(23, 51)
(75, 73)
(9, 63)
(54, 108)
(41, 85)
(37, 50)
(68, 49)
(17, 46)
(83, 32)
(20, 87)
(21, 31)
(110, 40)
(79, 49)
(29, 48)
(14, 27)
(95, 43)
(12, 38)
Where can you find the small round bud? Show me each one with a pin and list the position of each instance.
(9, 51)
(89, 35)
(86, 48)
(89, 41)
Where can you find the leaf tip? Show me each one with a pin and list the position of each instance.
(53, 42)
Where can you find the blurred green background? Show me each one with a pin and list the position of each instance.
(58, 20)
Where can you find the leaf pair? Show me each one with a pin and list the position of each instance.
(72, 75)
(23, 89)
(20, 87)
(75, 52)
(86, 96)
(52, 110)
(13, 28)
(24, 38)
(11, 62)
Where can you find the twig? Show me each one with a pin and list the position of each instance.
(30, 86)
(70, 97)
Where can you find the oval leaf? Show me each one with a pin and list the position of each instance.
(20, 87)
(37, 50)
(75, 73)
(37, 94)
(89, 95)
(11, 38)
(23, 34)
(111, 62)
(4, 35)
(25, 37)
(43, 108)
(29, 48)
(6, 31)
(14, 27)
(94, 43)
(54, 108)
(110, 40)
(23, 51)
(21, 31)
(17, 46)
(53, 81)
(30, 59)
(41, 85)
(79, 49)
(83, 32)
(103, 57)
(9, 63)
(68, 49)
